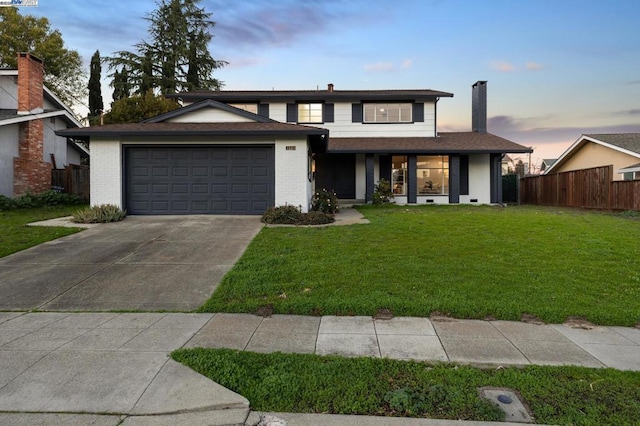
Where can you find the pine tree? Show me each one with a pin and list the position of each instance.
(121, 85)
(95, 90)
(177, 57)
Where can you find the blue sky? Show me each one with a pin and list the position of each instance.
(555, 68)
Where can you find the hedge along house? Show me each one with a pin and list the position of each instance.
(238, 152)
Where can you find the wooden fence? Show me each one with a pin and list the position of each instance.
(73, 180)
(586, 188)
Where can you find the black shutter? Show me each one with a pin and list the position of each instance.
(464, 175)
(356, 113)
(292, 113)
(327, 114)
(263, 110)
(418, 113)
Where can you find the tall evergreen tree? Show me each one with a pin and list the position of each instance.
(177, 57)
(121, 85)
(95, 90)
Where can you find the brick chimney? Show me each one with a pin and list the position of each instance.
(30, 81)
(330, 87)
(30, 172)
(479, 107)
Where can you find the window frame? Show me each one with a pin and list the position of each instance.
(426, 185)
(386, 108)
(310, 112)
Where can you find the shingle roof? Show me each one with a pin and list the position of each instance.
(194, 129)
(628, 141)
(459, 142)
(310, 95)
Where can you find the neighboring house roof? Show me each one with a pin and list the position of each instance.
(311, 95)
(627, 143)
(208, 103)
(193, 129)
(629, 169)
(460, 142)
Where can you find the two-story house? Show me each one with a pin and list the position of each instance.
(30, 114)
(239, 152)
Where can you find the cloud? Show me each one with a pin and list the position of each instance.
(634, 112)
(502, 66)
(534, 66)
(407, 63)
(244, 62)
(634, 82)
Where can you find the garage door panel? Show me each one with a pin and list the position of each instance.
(213, 180)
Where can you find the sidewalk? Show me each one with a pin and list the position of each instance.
(110, 368)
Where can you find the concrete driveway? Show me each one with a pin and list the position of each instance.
(144, 263)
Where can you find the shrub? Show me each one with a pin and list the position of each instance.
(292, 215)
(31, 201)
(382, 193)
(325, 201)
(100, 214)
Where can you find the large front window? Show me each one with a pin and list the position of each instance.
(309, 113)
(399, 175)
(388, 113)
(433, 174)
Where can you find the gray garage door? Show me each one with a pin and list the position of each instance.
(199, 180)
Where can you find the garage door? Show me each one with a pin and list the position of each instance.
(199, 180)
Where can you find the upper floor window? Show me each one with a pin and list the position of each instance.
(388, 113)
(252, 108)
(310, 113)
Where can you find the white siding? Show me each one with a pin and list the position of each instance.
(53, 144)
(8, 151)
(106, 172)
(8, 92)
(292, 174)
(209, 115)
(479, 180)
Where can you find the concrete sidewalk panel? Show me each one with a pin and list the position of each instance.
(46, 339)
(288, 324)
(235, 322)
(48, 419)
(632, 334)
(346, 325)
(6, 316)
(177, 388)
(348, 345)
(598, 335)
(621, 357)
(83, 320)
(214, 337)
(183, 321)
(87, 382)
(15, 362)
(25, 287)
(143, 287)
(555, 353)
(101, 339)
(267, 342)
(7, 336)
(405, 325)
(159, 340)
(467, 329)
(422, 348)
(482, 351)
(133, 320)
(524, 331)
(34, 321)
(232, 417)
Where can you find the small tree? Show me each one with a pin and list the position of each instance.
(382, 193)
(139, 107)
(95, 91)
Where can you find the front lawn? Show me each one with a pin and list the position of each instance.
(463, 261)
(15, 235)
(369, 386)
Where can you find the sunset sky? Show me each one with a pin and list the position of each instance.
(555, 68)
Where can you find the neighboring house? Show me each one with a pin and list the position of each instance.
(546, 163)
(507, 165)
(30, 114)
(622, 150)
(239, 152)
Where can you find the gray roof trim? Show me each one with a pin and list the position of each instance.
(314, 95)
(21, 118)
(632, 168)
(207, 103)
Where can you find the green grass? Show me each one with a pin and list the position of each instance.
(465, 261)
(369, 386)
(16, 236)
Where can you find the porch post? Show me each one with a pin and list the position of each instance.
(454, 179)
(370, 171)
(412, 179)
